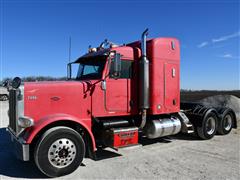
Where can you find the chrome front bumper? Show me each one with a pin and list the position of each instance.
(21, 149)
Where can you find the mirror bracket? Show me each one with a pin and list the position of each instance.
(69, 71)
(103, 85)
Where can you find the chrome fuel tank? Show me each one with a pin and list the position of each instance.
(162, 127)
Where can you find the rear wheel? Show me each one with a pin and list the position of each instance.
(225, 124)
(208, 127)
(59, 151)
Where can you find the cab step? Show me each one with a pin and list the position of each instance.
(189, 128)
(190, 131)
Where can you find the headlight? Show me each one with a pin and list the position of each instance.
(25, 122)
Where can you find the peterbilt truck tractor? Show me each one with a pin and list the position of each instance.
(119, 94)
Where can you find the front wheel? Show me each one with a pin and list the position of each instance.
(59, 151)
(208, 127)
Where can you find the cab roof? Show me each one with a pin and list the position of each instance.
(127, 52)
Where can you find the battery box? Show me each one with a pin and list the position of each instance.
(121, 137)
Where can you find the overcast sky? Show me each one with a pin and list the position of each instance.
(34, 35)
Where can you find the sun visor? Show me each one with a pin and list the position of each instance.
(100, 53)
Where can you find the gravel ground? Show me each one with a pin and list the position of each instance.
(181, 157)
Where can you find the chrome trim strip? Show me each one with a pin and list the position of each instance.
(25, 150)
(20, 106)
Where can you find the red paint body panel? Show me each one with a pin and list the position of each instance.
(126, 52)
(164, 88)
(47, 98)
(116, 101)
(164, 57)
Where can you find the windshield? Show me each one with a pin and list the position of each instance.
(90, 69)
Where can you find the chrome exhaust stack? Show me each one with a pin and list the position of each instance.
(144, 79)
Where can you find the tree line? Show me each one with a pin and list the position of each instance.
(37, 78)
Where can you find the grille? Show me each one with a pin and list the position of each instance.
(12, 109)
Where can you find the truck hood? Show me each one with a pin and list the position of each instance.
(57, 97)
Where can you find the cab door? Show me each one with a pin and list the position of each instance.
(118, 90)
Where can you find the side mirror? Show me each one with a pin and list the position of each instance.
(69, 71)
(116, 65)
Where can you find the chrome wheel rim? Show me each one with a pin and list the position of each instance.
(227, 122)
(61, 153)
(210, 125)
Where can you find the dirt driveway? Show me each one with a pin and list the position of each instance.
(181, 157)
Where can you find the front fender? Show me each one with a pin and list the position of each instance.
(47, 120)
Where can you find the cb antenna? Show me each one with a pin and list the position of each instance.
(70, 49)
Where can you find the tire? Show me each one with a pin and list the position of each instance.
(225, 124)
(208, 127)
(59, 151)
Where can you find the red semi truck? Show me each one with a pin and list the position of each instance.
(120, 93)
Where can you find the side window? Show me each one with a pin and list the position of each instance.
(126, 69)
(90, 69)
